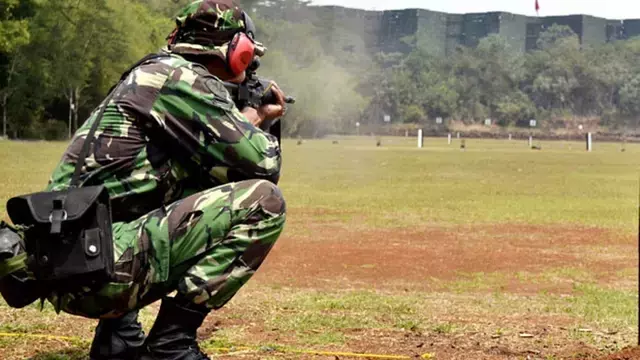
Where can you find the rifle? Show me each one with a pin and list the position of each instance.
(255, 92)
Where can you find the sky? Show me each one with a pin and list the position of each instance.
(610, 9)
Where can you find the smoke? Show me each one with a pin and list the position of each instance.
(317, 68)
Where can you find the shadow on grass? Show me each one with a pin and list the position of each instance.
(68, 354)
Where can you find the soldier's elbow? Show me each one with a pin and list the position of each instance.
(274, 178)
(271, 167)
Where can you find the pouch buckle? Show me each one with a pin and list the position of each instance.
(57, 216)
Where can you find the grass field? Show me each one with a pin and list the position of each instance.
(495, 252)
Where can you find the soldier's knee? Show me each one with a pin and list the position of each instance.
(259, 200)
(272, 201)
(263, 194)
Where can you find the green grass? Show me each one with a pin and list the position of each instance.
(26, 167)
(303, 310)
(499, 281)
(72, 354)
(398, 185)
(444, 328)
(600, 306)
(358, 185)
(494, 181)
(317, 319)
(224, 338)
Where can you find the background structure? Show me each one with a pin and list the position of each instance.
(402, 30)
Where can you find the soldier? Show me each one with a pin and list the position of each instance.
(192, 181)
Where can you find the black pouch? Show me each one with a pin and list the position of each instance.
(68, 236)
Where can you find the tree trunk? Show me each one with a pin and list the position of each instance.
(5, 96)
(76, 94)
(70, 113)
(4, 115)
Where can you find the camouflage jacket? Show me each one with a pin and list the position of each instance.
(170, 130)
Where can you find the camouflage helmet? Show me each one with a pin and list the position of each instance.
(205, 27)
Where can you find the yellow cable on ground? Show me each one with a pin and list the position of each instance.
(41, 336)
(238, 350)
(349, 354)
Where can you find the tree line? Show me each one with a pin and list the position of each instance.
(58, 58)
(559, 81)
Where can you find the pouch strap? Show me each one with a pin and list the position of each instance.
(75, 180)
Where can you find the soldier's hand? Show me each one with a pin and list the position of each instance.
(252, 115)
(273, 111)
(265, 114)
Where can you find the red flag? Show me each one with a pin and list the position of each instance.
(537, 6)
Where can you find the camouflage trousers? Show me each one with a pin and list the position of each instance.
(205, 247)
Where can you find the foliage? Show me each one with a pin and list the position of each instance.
(559, 78)
(74, 53)
(58, 58)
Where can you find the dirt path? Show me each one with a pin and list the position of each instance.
(338, 257)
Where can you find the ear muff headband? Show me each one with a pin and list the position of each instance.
(249, 26)
(240, 53)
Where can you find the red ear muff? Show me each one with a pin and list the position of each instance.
(240, 53)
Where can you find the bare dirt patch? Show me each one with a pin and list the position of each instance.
(337, 256)
(626, 354)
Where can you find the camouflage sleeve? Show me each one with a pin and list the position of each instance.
(197, 113)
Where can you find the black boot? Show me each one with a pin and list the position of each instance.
(173, 335)
(118, 339)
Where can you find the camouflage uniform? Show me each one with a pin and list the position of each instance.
(193, 190)
(192, 184)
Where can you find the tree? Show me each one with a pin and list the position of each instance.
(551, 72)
(93, 45)
(630, 96)
(14, 35)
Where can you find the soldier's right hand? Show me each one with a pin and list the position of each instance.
(270, 112)
(265, 114)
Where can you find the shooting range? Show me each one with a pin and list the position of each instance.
(445, 197)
